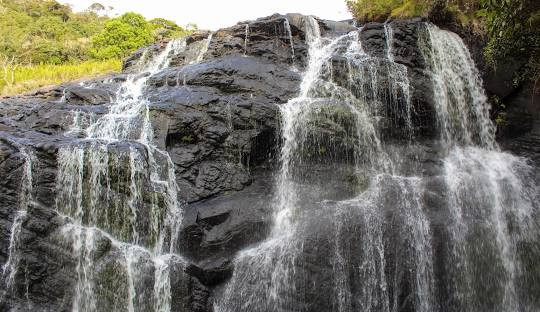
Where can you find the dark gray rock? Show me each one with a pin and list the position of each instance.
(219, 227)
(87, 95)
(219, 122)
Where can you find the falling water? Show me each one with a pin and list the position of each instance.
(489, 201)
(355, 226)
(461, 103)
(11, 266)
(203, 51)
(117, 180)
(289, 34)
(276, 261)
(381, 235)
(246, 38)
(389, 35)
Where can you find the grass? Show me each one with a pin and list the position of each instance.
(26, 78)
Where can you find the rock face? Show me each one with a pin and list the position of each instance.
(216, 111)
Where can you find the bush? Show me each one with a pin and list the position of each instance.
(380, 10)
(163, 29)
(512, 26)
(121, 36)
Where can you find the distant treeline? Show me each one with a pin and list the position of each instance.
(47, 32)
(43, 42)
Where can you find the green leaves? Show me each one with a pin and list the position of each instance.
(46, 32)
(37, 31)
(512, 26)
(121, 36)
(513, 30)
(163, 28)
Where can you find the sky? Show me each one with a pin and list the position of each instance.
(215, 14)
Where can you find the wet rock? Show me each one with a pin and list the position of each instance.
(90, 96)
(219, 120)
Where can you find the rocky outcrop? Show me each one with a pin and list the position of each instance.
(217, 115)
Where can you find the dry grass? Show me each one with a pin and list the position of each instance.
(26, 78)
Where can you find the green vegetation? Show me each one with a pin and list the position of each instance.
(125, 34)
(37, 34)
(187, 139)
(121, 36)
(379, 10)
(512, 27)
(29, 77)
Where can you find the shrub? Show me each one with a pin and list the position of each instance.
(512, 26)
(121, 36)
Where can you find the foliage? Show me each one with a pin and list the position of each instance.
(37, 33)
(512, 26)
(121, 36)
(44, 31)
(24, 78)
(163, 29)
(379, 10)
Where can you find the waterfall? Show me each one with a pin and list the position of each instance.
(461, 103)
(115, 184)
(389, 36)
(289, 34)
(11, 266)
(354, 101)
(204, 49)
(246, 38)
(490, 200)
(355, 228)
(369, 211)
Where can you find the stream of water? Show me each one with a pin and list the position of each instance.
(375, 250)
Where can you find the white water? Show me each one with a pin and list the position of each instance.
(462, 109)
(486, 188)
(11, 266)
(246, 38)
(381, 257)
(202, 52)
(289, 34)
(389, 35)
(275, 261)
(137, 267)
(103, 182)
(377, 243)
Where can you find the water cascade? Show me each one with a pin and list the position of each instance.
(373, 245)
(246, 38)
(204, 49)
(490, 193)
(116, 166)
(388, 34)
(289, 34)
(11, 266)
(387, 189)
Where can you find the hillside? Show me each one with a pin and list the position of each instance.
(38, 34)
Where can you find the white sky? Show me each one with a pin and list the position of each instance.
(214, 14)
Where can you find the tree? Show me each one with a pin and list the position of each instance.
(9, 66)
(165, 29)
(121, 36)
